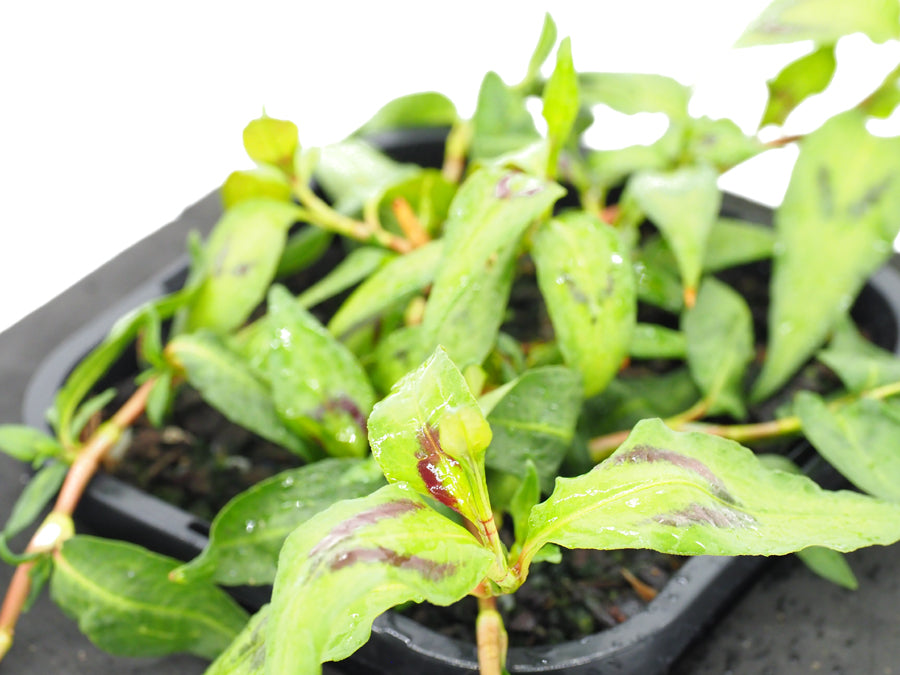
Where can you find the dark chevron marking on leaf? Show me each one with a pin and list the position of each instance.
(347, 405)
(351, 525)
(433, 464)
(859, 208)
(504, 191)
(697, 514)
(647, 453)
(431, 570)
(826, 193)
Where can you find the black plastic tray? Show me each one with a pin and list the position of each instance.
(644, 645)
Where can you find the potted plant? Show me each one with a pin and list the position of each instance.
(472, 325)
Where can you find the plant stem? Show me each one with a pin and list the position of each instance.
(409, 223)
(491, 638)
(602, 446)
(321, 214)
(51, 534)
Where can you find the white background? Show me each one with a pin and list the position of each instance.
(114, 116)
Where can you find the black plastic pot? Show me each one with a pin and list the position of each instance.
(645, 644)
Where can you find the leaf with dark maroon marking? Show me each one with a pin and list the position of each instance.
(350, 563)
(692, 494)
(844, 194)
(318, 386)
(488, 217)
(239, 262)
(587, 280)
(430, 432)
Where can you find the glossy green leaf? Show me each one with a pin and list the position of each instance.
(830, 565)
(610, 168)
(302, 249)
(560, 101)
(318, 386)
(248, 533)
(397, 280)
(246, 655)
(229, 385)
(684, 205)
(42, 487)
(264, 181)
(28, 444)
(241, 258)
(657, 280)
(428, 194)
(588, 285)
(694, 494)
(651, 341)
(735, 242)
(95, 365)
(159, 401)
(860, 440)
(844, 195)
(271, 141)
(632, 93)
(501, 122)
(541, 51)
(822, 21)
(860, 364)
(534, 422)
(719, 333)
(342, 569)
(353, 172)
(396, 355)
(526, 496)
(719, 143)
(431, 434)
(489, 215)
(425, 109)
(884, 100)
(357, 266)
(123, 601)
(808, 75)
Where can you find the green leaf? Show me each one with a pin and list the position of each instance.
(610, 168)
(27, 444)
(229, 385)
(800, 79)
(541, 51)
(684, 205)
(735, 242)
(489, 215)
(302, 249)
(395, 355)
(353, 173)
(159, 401)
(822, 21)
(42, 487)
(246, 655)
(342, 569)
(399, 279)
(829, 565)
(696, 494)
(241, 257)
(89, 408)
(651, 341)
(860, 364)
(248, 533)
(588, 284)
(719, 333)
(560, 101)
(526, 496)
(534, 422)
(860, 440)
(656, 276)
(844, 194)
(431, 434)
(883, 101)
(318, 386)
(632, 93)
(359, 264)
(123, 601)
(96, 364)
(264, 181)
(501, 123)
(425, 109)
(719, 143)
(271, 141)
(429, 195)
